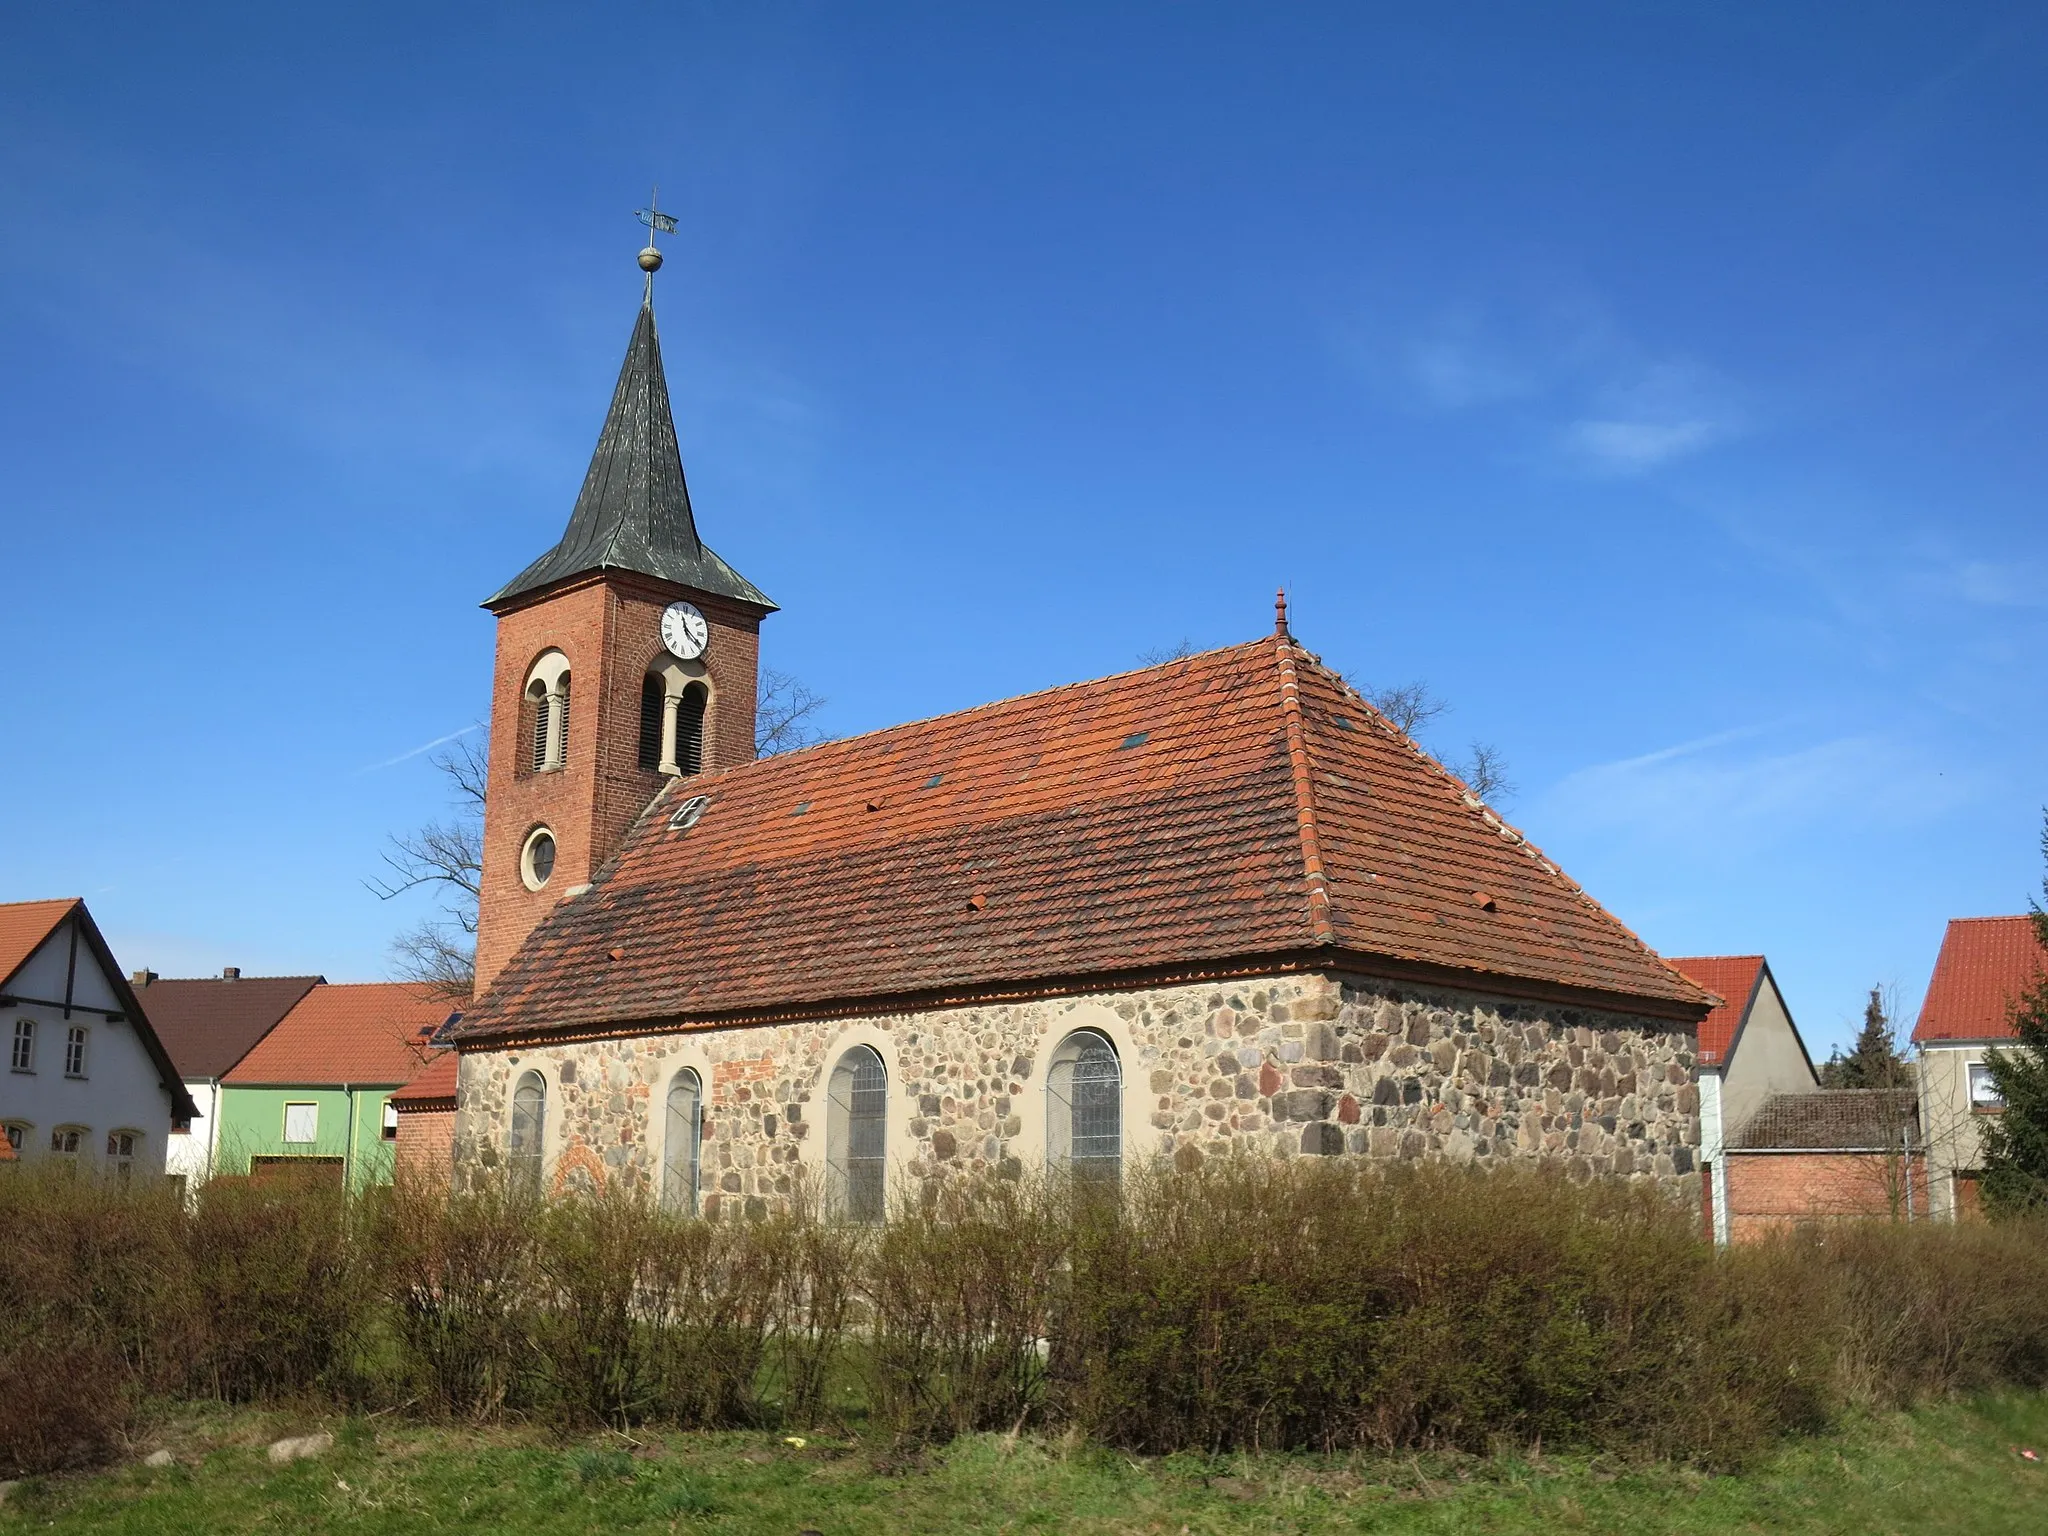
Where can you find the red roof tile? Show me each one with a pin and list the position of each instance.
(1985, 964)
(368, 1033)
(209, 1023)
(1177, 815)
(1733, 979)
(23, 927)
(434, 1085)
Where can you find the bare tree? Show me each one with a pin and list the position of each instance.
(1408, 707)
(1485, 773)
(783, 713)
(1159, 655)
(446, 857)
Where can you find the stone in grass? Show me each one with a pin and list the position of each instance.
(7, 1488)
(298, 1447)
(158, 1459)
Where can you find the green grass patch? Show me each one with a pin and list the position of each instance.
(1950, 1467)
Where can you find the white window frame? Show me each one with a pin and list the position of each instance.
(312, 1108)
(77, 1135)
(1978, 1072)
(389, 1126)
(682, 1154)
(76, 1038)
(122, 1159)
(865, 1205)
(22, 1055)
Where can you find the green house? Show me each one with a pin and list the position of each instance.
(313, 1099)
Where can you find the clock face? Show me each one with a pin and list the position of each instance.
(684, 631)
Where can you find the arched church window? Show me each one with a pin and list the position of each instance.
(653, 704)
(683, 1143)
(856, 1135)
(690, 729)
(1084, 1107)
(529, 1121)
(547, 712)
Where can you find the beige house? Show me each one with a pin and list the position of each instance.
(1985, 965)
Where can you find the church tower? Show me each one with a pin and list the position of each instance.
(627, 656)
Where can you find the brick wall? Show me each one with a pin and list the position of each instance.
(426, 1143)
(1770, 1190)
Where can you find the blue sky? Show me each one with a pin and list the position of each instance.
(1663, 384)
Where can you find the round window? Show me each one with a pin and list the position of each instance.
(537, 860)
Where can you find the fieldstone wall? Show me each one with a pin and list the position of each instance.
(1285, 1065)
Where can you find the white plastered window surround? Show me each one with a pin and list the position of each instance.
(548, 687)
(678, 679)
(1140, 1135)
(682, 1058)
(815, 1155)
(537, 856)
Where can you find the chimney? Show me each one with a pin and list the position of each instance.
(141, 978)
(231, 973)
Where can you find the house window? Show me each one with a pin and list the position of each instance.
(1984, 1093)
(67, 1140)
(1084, 1106)
(301, 1124)
(682, 1147)
(690, 729)
(529, 1121)
(121, 1149)
(856, 1135)
(390, 1121)
(24, 1057)
(16, 1132)
(74, 1051)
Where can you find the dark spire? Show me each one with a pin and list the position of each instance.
(633, 513)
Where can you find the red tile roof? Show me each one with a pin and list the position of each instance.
(1985, 964)
(368, 1033)
(209, 1023)
(1237, 805)
(433, 1087)
(1733, 979)
(23, 927)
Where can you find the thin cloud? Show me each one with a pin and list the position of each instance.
(438, 741)
(1631, 447)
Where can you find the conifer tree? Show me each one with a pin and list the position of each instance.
(1874, 1061)
(2016, 1141)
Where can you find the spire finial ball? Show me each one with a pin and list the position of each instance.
(650, 259)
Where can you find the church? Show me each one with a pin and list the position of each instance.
(1212, 905)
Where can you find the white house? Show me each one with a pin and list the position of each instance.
(87, 1078)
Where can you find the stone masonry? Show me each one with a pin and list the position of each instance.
(1282, 1065)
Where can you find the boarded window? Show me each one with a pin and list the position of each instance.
(529, 1121)
(652, 699)
(856, 1135)
(1084, 1102)
(682, 1147)
(690, 728)
(301, 1124)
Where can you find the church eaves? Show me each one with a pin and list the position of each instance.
(633, 513)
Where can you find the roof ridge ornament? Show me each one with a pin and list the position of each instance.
(1280, 612)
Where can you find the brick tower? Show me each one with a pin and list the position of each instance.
(627, 655)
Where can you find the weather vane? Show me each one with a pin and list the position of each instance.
(658, 223)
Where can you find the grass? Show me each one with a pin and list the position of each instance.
(1952, 1467)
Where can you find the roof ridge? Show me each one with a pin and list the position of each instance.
(1322, 928)
(701, 781)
